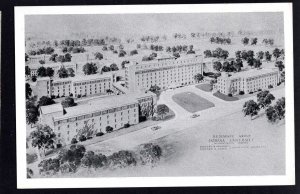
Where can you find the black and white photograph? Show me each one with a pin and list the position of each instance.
(169, 95)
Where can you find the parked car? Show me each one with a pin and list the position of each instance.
(195, 115)
(155, 128)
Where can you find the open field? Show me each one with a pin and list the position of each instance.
(192, 102)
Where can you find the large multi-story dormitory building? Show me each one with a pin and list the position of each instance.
(77, 86)
(162, 72)
(97, 114)
(247, 81)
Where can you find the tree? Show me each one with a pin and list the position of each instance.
(49, 166)
(260, 55)
(207, 53)
(276, 112)
(150, 153)
(268, 56)
(68, 102)
(162, 109)
(62, 72)
(53, 57)
(276, 53)
(121, 159)
(123, 64)
(109, 129)
(105, 69)
(282, 76)
(45, 101)
(217, 65)
(49, 72)
(251, 108)
(67, 57)
(42, 138)
(134, 52)
(238, 65)
(71, 158)
(280, 65)
(90, 159)
(26, 57)
(245, 41)
(90, 68)
(28, 90)
(264, 98)
(198, 77)
(177, 55)
(71, 72)
(238, 54)
(253, 41)
(122, 53)
(114, 67)
(29, 173)
(33, 78)
(32, 112)
(257, 63)
(41, 71)
(74, 141)
(27, 70)
(98, 56)
(42, 62)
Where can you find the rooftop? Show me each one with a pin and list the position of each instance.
(51, 108)
(83, 77)
(250, 73)
(97, 105)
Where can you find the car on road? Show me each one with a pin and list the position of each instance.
(155, 128)
(195, 115)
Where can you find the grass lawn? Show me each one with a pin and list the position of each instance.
(192, 102)
(204, 87)
(225, 97)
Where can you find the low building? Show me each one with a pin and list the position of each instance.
(247, 81)
(97, 114)
(55, 66)
(162, 72)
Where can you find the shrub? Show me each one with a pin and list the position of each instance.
(278, 84)
(33, 78)
(59, 145)
(251, 92)
(79, 96)
(82, 138)
(109, 129)
(99, 134)
(270, 86)
(89, 137)
(230, 95)
(74, 141)
(241, 93)
(259, 90)
(126, 125)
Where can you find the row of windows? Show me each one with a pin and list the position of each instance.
(96, 114)
(91, 82)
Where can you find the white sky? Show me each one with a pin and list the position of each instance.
(123, 24)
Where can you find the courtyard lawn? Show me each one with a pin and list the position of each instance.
(225, 97)
(204, 87)
(192, 102)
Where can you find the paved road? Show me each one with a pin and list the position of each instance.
(181, 121)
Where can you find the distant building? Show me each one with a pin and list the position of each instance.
(162, 72)
(55, 66)
(74, 86)
(247, 81)
(97, 114)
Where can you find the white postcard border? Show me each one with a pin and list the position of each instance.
(23, 182)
